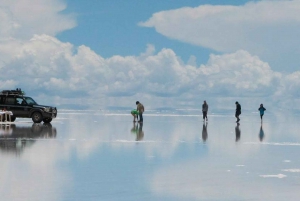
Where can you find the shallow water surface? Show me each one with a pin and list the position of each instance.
(86, 155)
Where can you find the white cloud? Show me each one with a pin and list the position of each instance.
(23, 19)
(64, 74)
(46, 64)
(265, 28)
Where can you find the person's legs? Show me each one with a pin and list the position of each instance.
(237, 117)
(141, 117)
(133, 117)
(205, 115)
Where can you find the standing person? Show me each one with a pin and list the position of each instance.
(238, 111)
(140, 108)
(261, 111)
(205, 110)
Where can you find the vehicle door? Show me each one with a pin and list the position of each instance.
(21, 107)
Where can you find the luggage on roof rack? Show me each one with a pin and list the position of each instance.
(17, 91)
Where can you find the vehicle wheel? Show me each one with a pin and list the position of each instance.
(36, 117)
(13, 119)
(47, 120)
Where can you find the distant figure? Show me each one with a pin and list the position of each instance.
(237, 132)
(204, 132)
(261, 111)
(204, 110)
(261, 134)
(135, 114)
(140, 108)
(238, 111)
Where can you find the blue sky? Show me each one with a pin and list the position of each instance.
(111, 27)
(174, 54)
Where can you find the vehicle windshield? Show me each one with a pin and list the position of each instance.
(30, 101)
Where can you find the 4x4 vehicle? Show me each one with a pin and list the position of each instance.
(25, 107)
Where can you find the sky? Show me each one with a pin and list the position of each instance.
(166, 54)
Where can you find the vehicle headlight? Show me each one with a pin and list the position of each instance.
(47, 109)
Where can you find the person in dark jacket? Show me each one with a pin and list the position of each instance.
(238, 111)
(204, 110)
(261, 111)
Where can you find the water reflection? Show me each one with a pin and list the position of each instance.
(237, 132)
(15, 138)
(137, 129)
(261, 134)
(204, 132)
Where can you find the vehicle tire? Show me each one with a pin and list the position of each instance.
(13, 119)
(37, 117)
(47, 120)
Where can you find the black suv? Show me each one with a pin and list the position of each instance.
(25, 107)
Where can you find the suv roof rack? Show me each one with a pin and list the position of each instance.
(17, 91)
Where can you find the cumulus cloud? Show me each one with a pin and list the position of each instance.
(46, 64)
(23, 19)
(61, 73)
(265, 28)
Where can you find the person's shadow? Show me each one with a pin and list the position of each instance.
(137, 129)
(237, 132)
(204, 132)
(261, 133)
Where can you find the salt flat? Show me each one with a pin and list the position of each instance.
(103, 155)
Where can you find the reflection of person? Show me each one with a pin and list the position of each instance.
(134, 128)
(204, 132)
(204, 110)
(237, 132)
(135, 114)
(238, 111)
(140, 133)
(140, 108)
(261, 134)
(261, 111)
(137, 129)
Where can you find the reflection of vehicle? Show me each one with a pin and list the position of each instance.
(25, 107)
(15, 139)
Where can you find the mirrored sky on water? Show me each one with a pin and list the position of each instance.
(103, 155)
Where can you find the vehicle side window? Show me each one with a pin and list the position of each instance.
(20, 101)
(10, 100)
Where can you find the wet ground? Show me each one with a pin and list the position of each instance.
(86, 155)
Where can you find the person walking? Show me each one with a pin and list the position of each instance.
(204, 110)
(140, 108)
(238, 111)
(261, 111)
